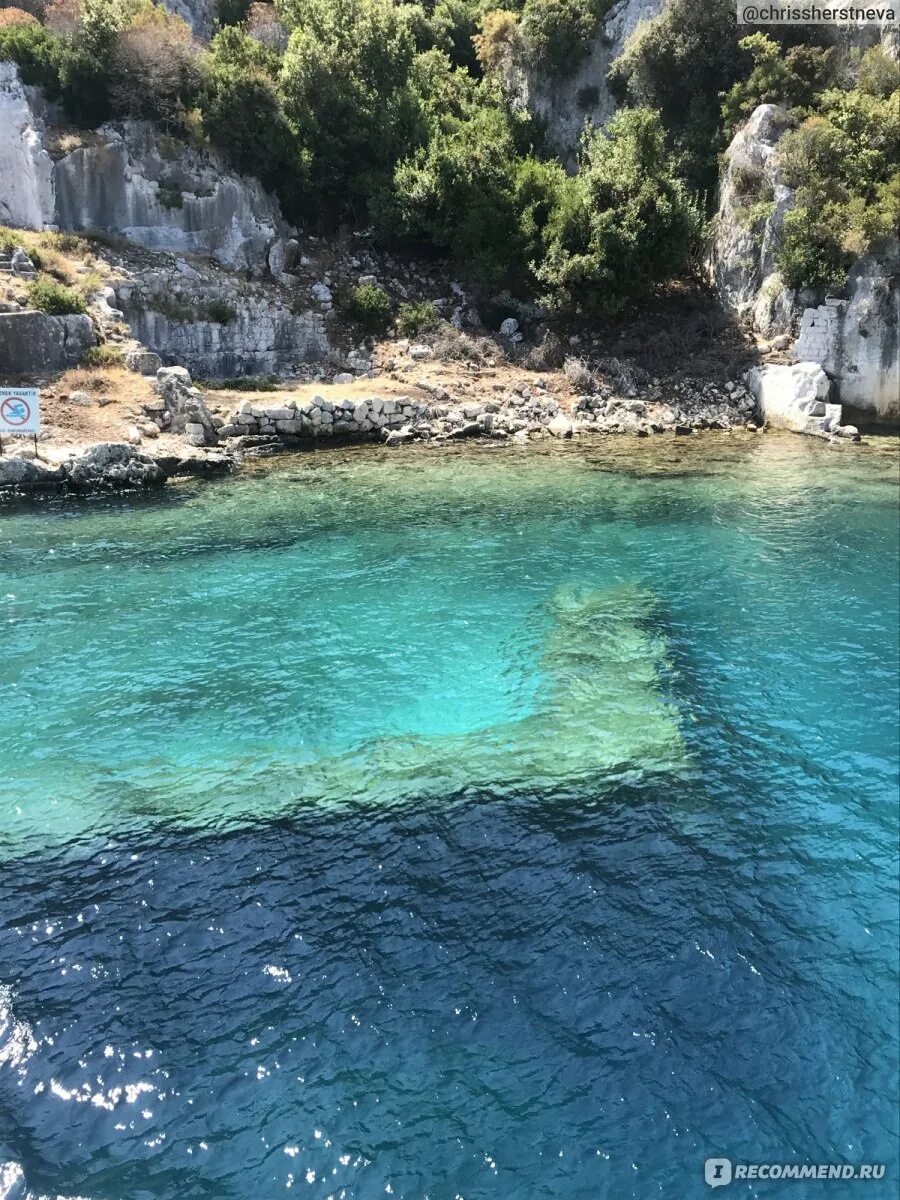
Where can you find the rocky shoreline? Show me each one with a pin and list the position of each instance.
(215, 446)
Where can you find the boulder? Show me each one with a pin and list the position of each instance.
(110, 466)
(179, 374)
(28, 475)
(143, 362)
(469, 429)
(794, 397)
(399, 437)
(561, 427)
(34, 342)
(282, 256)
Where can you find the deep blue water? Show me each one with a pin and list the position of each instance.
(483, 826)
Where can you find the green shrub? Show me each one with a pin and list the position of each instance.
(244, 117)
(218, 311)
(66, 243)
(344, 91)
(623, 225)
(9, 239)
(34, 49)
(170, 195)
(455, 24)
(497, 36)
(103, 356)
(678, 64)
(458, 194)
(416, 317)
(557, 34)
(842, 163)
(53, 298)
(792, 77)
(879, 75)
(811, 254)
(370, 307)
(810, 152)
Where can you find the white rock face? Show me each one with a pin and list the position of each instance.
(26, 169)
(857, 340)
(183, 200)
(743, 259)
(260, 340)
(795, 397)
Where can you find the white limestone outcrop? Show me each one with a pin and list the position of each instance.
(743, 258)
(857, 340)
(166, 195)
(795, 397)
(26, 169)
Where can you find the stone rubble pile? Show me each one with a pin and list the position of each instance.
(179, 407)
(527, 410)
(683, 407)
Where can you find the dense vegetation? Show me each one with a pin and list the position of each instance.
(395, 115)
(695, 68)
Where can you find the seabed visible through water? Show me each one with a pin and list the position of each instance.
(475, 822)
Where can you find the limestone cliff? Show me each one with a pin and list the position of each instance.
(199, 14)
(853, 336)
(26, 169)
(753, 201)
(165, 195)
(216, 325)
(857, 339)
(130, 180)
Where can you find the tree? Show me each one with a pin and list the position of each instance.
(792, 78)
(624, 224)
(153, 70)
(344, 90)
(243, 116)
(678, 64)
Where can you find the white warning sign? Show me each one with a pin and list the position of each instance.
(20, 410)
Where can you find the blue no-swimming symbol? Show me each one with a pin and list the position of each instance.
(15, 411)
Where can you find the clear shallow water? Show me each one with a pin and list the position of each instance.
(486, 824)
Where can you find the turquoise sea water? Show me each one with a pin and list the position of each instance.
(483, 823)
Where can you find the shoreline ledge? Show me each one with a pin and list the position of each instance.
(118, 467)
